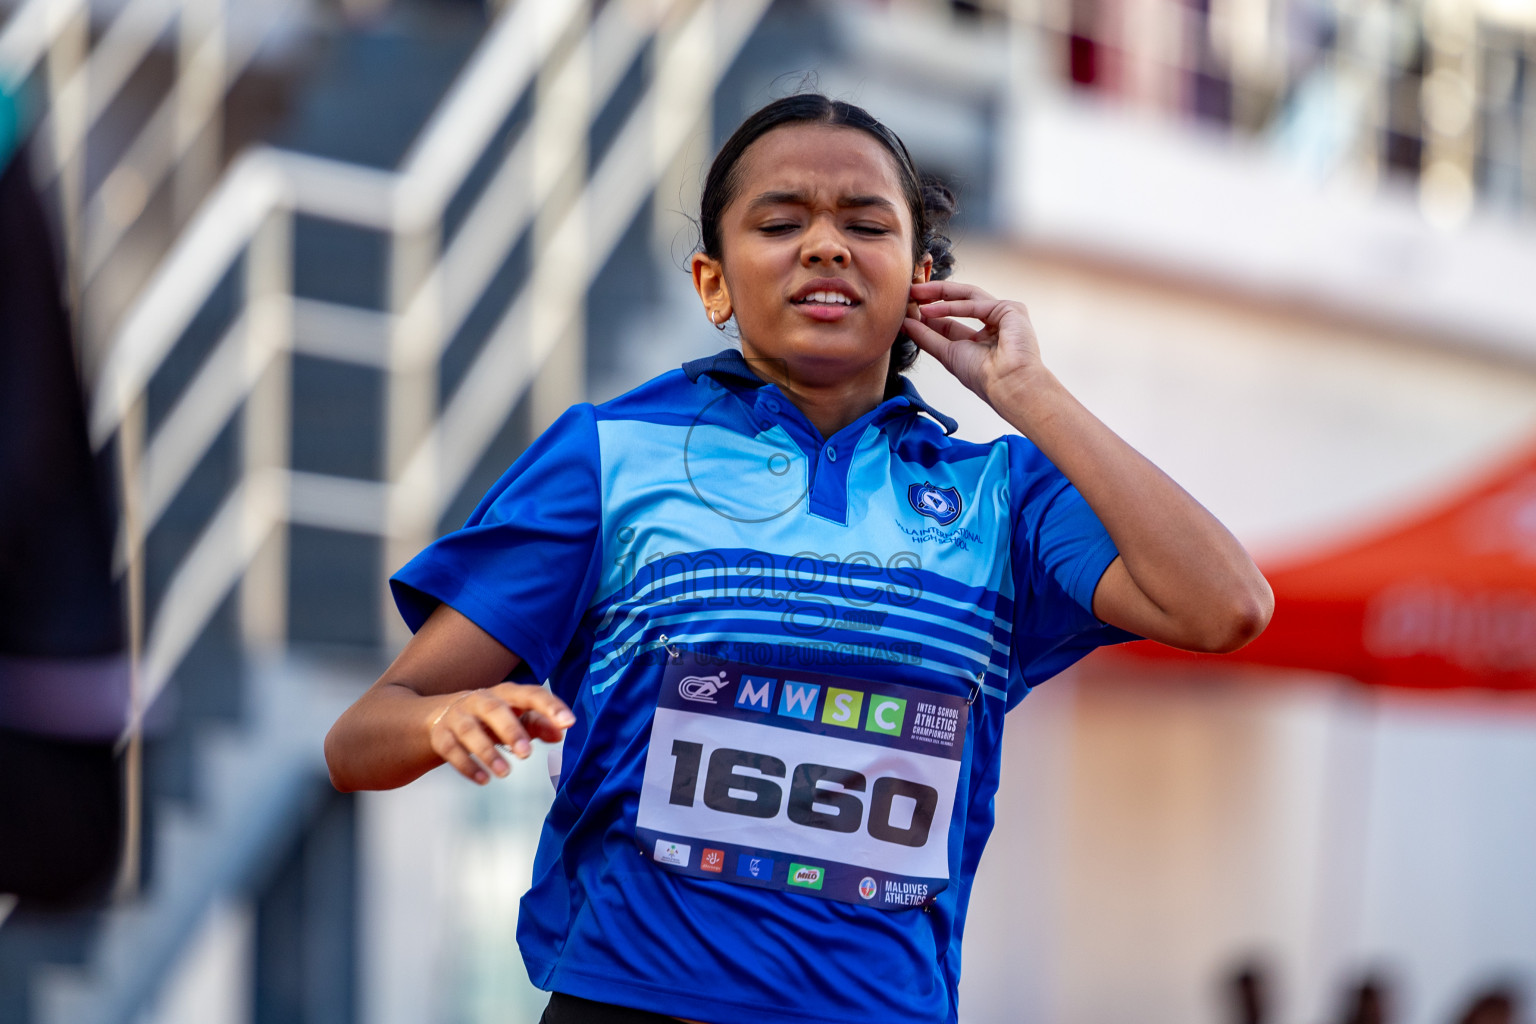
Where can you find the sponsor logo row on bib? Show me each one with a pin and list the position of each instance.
(842, 707)
(747, 865)
(805, 876)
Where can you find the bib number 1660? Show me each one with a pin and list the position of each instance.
(809, 804)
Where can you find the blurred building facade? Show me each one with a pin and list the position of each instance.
(1283, 247)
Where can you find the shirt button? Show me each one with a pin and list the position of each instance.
(771, 404)
(831, 454)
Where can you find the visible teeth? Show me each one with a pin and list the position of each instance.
(828, 298)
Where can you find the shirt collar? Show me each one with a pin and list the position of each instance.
(729, 367)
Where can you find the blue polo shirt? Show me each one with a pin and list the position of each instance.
(703, 516)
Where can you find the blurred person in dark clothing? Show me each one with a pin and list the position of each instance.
(63, 670)
(1497, 1005)
(1370, 1002)
(1247, 993)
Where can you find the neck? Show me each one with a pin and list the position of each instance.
(829, 399)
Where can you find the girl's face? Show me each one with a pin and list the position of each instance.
(816, 254)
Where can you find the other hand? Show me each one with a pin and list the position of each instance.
(476, 722)
(1000, 360)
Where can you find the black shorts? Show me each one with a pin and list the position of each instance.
(564, 1009)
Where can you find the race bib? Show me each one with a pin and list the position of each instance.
(802, 782)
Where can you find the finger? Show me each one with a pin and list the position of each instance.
(473, 738)
(931, 291)
(503, 721)
(974, 309)
(954, 330)
(540, 727)
(536, 698)
(929, 340)
(447, 747)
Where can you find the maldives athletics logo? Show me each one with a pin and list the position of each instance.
(941, 504)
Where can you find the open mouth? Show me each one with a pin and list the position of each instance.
(826, 299)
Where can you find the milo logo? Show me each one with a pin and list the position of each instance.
(806, 876)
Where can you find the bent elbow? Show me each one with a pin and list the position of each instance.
(333, 769)
(1241, 621)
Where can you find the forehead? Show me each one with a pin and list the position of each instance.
(823, 160)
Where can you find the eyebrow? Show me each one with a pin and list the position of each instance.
(804, 199)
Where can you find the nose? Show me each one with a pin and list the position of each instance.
(823, 244)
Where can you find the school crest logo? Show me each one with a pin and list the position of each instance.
(941, 504)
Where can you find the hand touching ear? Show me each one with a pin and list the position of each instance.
(1181, 578)
(998, 360)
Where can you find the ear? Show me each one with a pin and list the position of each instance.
(923, 270)
(709, 282)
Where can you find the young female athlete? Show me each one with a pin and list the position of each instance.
(782, 612)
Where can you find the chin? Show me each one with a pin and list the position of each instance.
(826, 347)
(829, 363)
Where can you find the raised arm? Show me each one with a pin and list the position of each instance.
(442, 699)
(1181, 578)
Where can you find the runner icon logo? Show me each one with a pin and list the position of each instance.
(701, 688)
(867, 888)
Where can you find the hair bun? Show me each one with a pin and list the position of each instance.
(938, 208)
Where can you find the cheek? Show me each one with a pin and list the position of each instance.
(753, 277)
(896, 283)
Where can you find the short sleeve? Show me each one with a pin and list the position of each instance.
(1059, 552)
(525, 565)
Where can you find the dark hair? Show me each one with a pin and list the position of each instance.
(930, 201)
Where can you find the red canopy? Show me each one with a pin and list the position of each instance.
(1445, 599)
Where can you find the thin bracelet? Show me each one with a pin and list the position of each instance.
(440, 714)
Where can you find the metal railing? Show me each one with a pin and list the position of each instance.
(1441, 96)
(449, 227)
(573, 59)
(180, 142)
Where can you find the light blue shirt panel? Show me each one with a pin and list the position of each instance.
(974, 549)
(686, 489)
(734, 491)
(728, 495)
